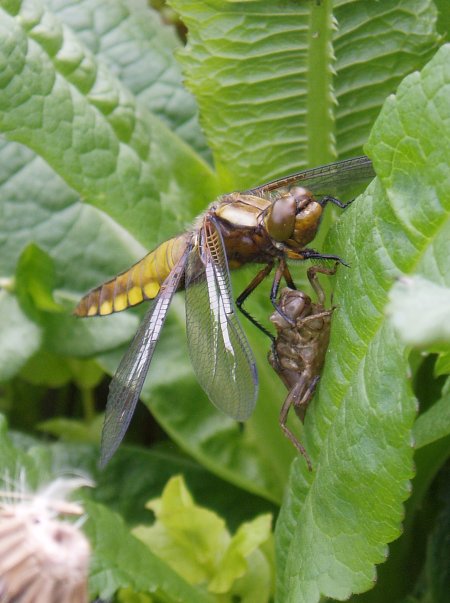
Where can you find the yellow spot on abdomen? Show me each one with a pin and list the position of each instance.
(106, 308)
(135, 295)
(151, 289)
(120, 302)
(92, 311)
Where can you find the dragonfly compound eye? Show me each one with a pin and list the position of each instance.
(280, 220)
(307, 220)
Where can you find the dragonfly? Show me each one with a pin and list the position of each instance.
(269, 225)
(298, 352)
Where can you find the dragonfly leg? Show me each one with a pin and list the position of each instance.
(291, 400)
(312, 277)
(334, 201)
(301, 403)
(257, 280)
(311, 254)
(288, 277)
(282, 270)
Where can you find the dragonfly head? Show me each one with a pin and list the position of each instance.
(294, 217)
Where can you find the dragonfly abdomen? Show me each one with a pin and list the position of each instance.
(140, 282)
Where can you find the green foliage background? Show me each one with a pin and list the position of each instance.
(103, 157)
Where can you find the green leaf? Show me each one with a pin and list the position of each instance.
(20, 337)
(433, 424)
(120, 560)
(132, 40)
(71, 430)
(249, 537)
(285, 85)
(376, 44)
(36, 205)
(73, 112)
(442, 366)
(35, 280)
(68, 335)
(196, 543)
(86, 373)
(420, 312)
(336, 522)
(444, 18)
(188, 537)
(126, 595)
(45, 369)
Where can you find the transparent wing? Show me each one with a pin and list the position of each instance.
(332, 179)
(219, 350)
(127, 383)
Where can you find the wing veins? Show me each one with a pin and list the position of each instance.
(226, 345)
(127, 383)
(355, 170)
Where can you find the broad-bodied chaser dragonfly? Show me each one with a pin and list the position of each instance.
(298, 352)
(270, 225)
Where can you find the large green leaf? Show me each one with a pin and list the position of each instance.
(35, 203)
(284, 85)
(336, 523)
(59, 101)
(376, 44)
(131, 39)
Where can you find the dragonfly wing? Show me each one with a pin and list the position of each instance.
(127, 383)
(219, 350)
(332, 179)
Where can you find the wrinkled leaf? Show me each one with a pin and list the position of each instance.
(288, 87)
(118, 155)
(337, 521)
